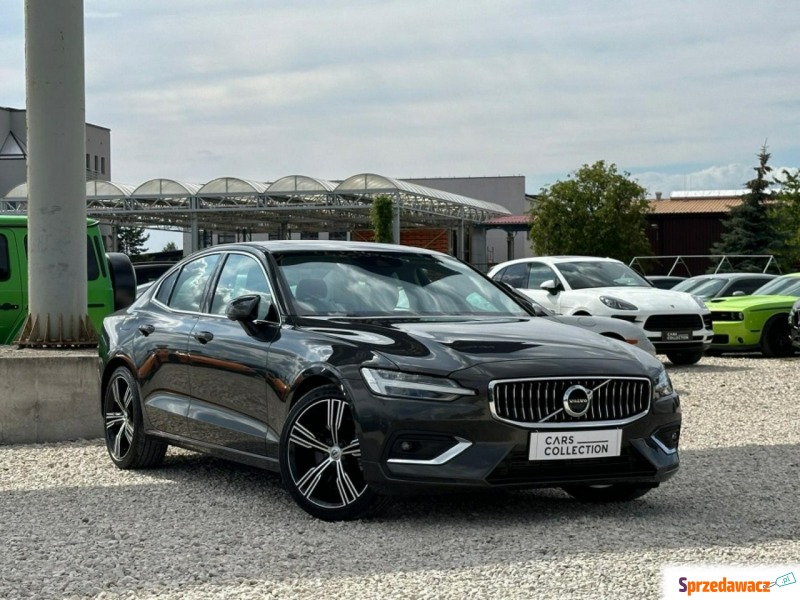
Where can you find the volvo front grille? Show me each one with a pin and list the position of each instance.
(542, 403)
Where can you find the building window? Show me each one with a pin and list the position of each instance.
(337, 236)
(102, 164)
(309, 235)
(226, 238)
(95, 163)
(88, 164)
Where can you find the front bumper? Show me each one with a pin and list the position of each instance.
(486, 453)
(736, 336)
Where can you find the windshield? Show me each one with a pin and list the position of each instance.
(594, 274)
(389, 284)
(705, 287)
(782, 286)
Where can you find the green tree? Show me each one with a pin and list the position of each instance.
(169, 247)
(749, 227)
(596, 212)
(785, 212)
(381, 216)
(131, 240)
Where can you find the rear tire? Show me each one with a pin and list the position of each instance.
(685, 357)
(776, 340)
(615, 492)
(127, 444)
(320, 458)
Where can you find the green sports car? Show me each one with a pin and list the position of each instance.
(758, 322)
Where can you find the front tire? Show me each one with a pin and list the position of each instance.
(776, 341)
(599, 494)
(126, 442)
(685, 357)
(320, 458)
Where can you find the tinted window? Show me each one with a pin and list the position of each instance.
(539, 274)
(748, 286)
(515, 275)
(241, 275)
(5, 263)
(191, 283)
(362, 284)
(593, 274)
(92, 267)
(166, 288)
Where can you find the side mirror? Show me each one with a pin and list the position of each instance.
(243, 309)
(738, 293)
(551, 286)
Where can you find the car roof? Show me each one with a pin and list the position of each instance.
(733, 276)
(558, 259)
(324, 246)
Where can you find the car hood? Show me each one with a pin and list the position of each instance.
(445, 346)
(646, 298)
(740, 303)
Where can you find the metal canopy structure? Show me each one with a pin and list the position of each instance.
(291, 203)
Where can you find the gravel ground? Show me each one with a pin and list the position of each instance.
(73, 526)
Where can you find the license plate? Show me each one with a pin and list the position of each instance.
(570, 445)
(677, 336)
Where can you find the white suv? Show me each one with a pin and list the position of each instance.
(678, 324)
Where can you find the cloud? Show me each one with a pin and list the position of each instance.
(679, 94)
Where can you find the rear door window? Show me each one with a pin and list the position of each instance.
(192, 283)
(5, 261)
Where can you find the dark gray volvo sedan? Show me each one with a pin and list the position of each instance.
(361, 371)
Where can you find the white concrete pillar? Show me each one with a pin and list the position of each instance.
(56, 114)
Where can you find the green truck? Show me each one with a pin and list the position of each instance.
(111, 278)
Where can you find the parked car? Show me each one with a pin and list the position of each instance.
(678, 324)
(719, 285)
(615, 329)
(111, 281)
(758, 322)
(794, 324)
(364, 370)
(665, 282)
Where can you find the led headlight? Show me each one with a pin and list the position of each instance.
(413, 386)
(617, 304)
(662, 386)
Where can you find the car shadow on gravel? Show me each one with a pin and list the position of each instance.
(201, 520)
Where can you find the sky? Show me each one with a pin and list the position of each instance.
(680, 94)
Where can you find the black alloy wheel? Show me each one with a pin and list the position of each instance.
(614, 492)
(126, 441)
(320, 458)
(776, 341)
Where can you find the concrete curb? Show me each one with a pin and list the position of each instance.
(49, 395)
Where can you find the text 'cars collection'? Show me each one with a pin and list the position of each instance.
(360, 371)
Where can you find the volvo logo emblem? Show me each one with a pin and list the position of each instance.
(577, 400)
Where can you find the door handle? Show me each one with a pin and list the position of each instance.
(146, 329)
(203, 336)
(8, 306)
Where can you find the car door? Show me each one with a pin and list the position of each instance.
(228, 360)
(12, 295)
(162, 344)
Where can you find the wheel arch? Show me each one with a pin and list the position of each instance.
(108, 369)
(312, 382)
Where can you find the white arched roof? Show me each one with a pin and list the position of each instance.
(300, 183)
(231, 185)
(166, 187)
(372, 183)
